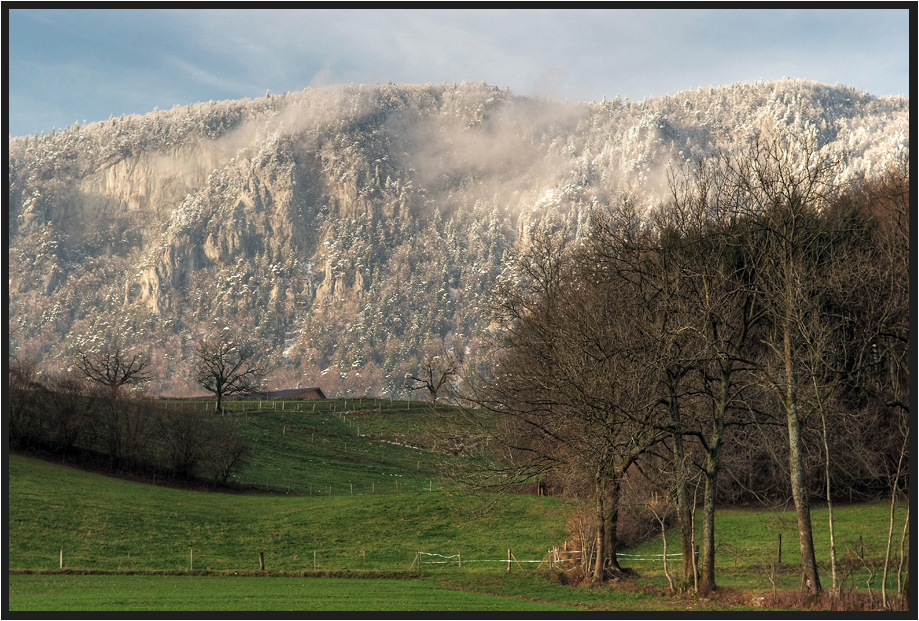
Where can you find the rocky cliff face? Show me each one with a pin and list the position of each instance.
(347, 228)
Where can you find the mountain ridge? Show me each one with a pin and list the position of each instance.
(351, 229)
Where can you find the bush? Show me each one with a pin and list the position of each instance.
(61, 416)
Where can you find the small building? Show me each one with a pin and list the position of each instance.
(294, 394)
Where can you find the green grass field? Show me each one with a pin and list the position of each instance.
(235, 593)
(115, 525)
(337, 447)
(367, 527)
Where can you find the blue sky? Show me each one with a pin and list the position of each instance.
(75, 65)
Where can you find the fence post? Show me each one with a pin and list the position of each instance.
(261, 561)
(62, 558)
(508, 559)
(191, 559)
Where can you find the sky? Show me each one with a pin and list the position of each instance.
(75, 65)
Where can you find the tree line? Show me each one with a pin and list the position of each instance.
(88, 415)
(747, 340)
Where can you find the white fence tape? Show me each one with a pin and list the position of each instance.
(454, 558)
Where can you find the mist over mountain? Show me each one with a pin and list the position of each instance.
(348, 230)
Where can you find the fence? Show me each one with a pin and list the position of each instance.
(314, 406)
(333, 560)
(555, 557)
(330, 431)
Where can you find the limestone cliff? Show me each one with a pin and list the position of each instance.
(344, 228)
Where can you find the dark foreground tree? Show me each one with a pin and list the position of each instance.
(569, 380)
(782, 181)
(713, 314)
(226, 364)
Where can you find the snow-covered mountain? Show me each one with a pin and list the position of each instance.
(349, 228)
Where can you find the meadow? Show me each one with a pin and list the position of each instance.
(235, 593)
(282, 541)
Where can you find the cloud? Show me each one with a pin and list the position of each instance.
(220, 80)
(201, 54)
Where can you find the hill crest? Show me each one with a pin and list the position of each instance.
(350, 228)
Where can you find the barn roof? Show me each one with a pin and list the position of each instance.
(293, 392)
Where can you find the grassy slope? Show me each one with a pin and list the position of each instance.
(114, 525)
(110, 524)
(338, 444)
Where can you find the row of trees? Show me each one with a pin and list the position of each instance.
(95, 425)
(226, 363)
(763, 310)
(87, 413)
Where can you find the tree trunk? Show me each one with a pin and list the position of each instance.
(796, 468)
(829, 502)
(893, 510)
(684, 506)
(608, 490)
(612, 526)
(707, 583)
(712, 467)
(601, 552)
(685, 511)
(802, 506)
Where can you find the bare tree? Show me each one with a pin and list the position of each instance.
(894, 335)
(227, 364)
(25, 422)
(70, 410)
(122, 427)
(227, 452)
(702, 271)
(782, 181)
(185, 435)
(113, 366)
(570, 378)
(438, 370)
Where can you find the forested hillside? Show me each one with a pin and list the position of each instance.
(354, 232)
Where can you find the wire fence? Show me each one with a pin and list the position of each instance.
(554, 557)
(205, 558)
